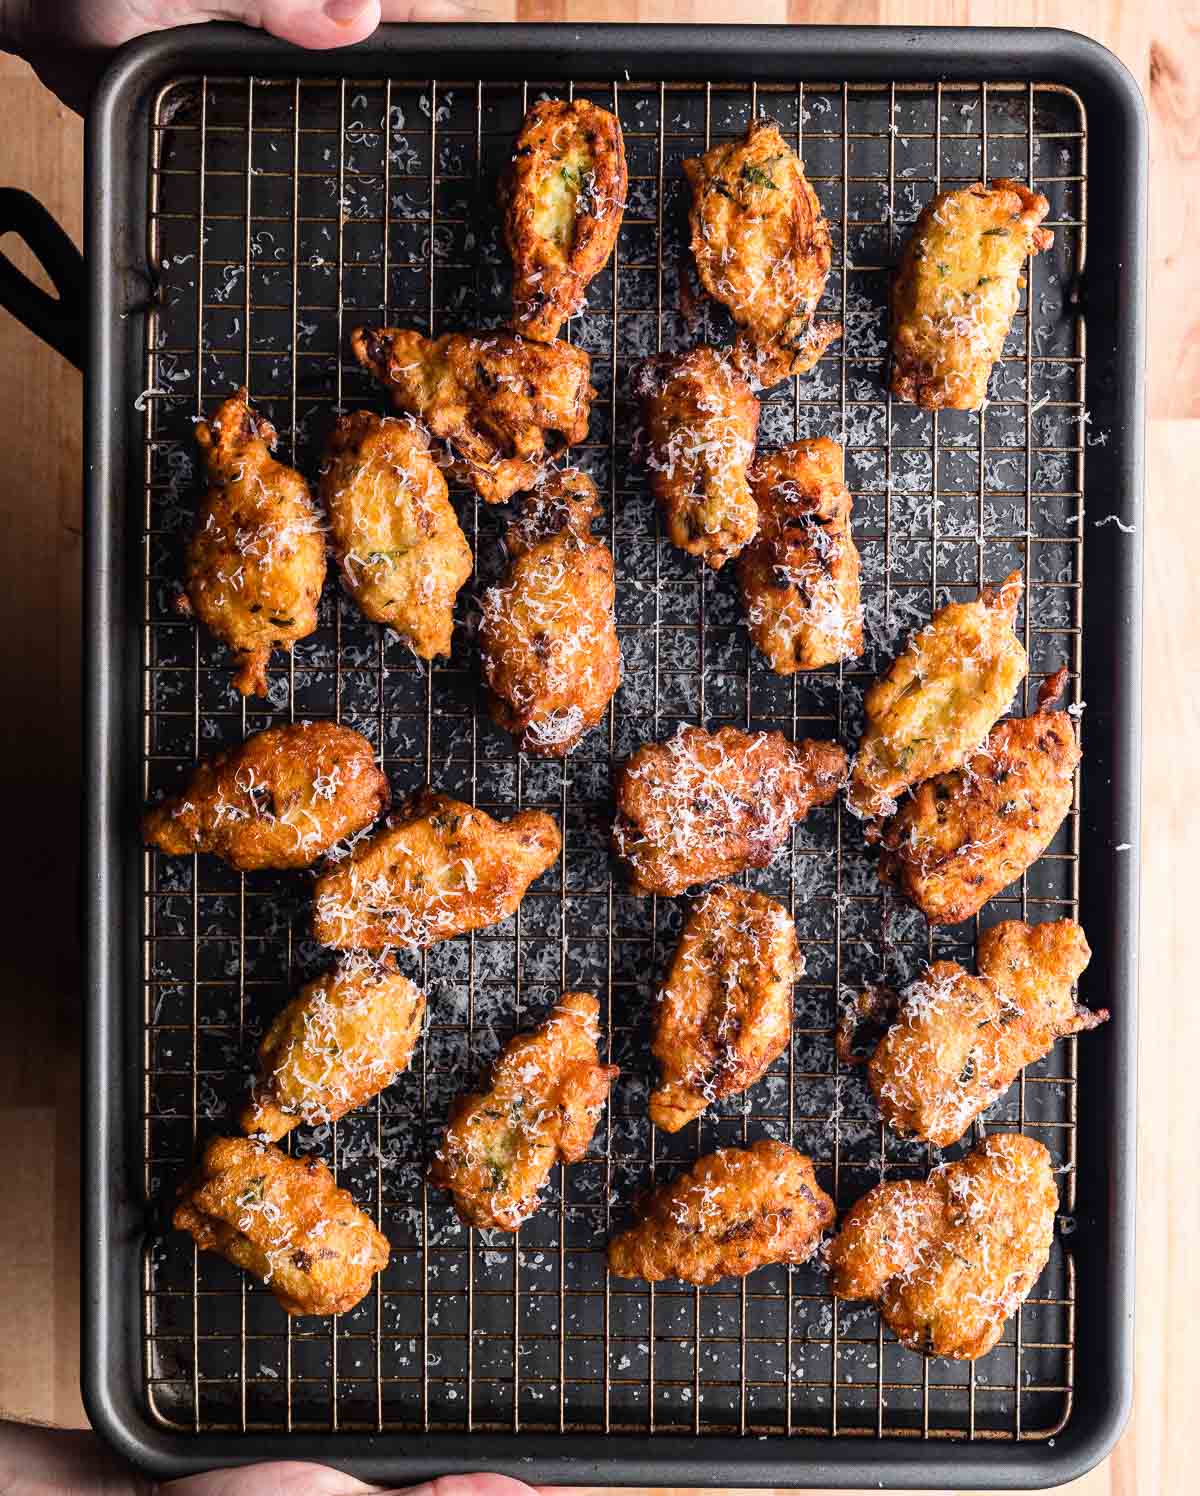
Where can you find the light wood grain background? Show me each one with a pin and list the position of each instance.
(40, 519)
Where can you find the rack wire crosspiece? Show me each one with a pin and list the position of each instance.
(283, 211)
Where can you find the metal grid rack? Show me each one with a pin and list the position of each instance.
(283, 211)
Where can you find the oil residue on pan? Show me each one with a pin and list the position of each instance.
(284, 212)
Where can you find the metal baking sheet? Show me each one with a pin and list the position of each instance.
(280, 208)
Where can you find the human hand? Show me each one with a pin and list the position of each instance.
(38, 1461)
(68, 42)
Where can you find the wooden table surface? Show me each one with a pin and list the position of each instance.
(40, 465)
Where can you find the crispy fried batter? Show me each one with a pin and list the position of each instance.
(285, 1221)
(396, 537)
(256, 561)
(446, 868)
(494, 397)
(703, 805)
(341, 1040)
(950, 1258)
(725, 1011)
(799, 575)
(957, 288)
(959, 1041)
(939, 698)
(762, 248)
(700, 419)
(733, 1211)
(280, 799)
(548, 639)
(563, 198)
(964, 836)
(540, 1106)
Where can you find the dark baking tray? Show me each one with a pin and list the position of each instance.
(115, 1212)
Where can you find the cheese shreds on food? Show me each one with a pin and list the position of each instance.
(445, 868)
(799, 576)
(341, 1040)
(548, 637)
(939, 698)
(959, 1041)
(733, 1211)
(724, 1013)
(256, 560)
(402, 555)
(284, 1221)
(949, 1258)
(702, 806)
(957, 290)
(279, 800)
(539, 1106)
(700, 418)
(762, 248)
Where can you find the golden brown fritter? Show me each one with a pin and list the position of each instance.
(949, 1258)
(540, 1107)
(799, 575)
(700, 418)
(548, 639)
(957, 288)
(964, 836)
(725, 1011)
(762, 248)
(707, 805)
(495, 397)
(733, 1211)
(959, 1041)
(341, 1040)
(285, 1221)
(280, 799)
(256, 561)
(939, 698)
(396, 537)
(563, 198)
(444, 869)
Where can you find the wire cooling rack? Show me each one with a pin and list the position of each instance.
(284, 211)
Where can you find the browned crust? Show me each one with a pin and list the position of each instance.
(538, 1105)
(799, 576)
(732, 1212)
(949, 1258)
(702, 806)
(959, 1041)
(548, 285)
(504, 403)
(963, 836)
(769, 267)
(256, 561)
(701, 418)
(548, 639)
(911, 379)
(316, 1251)
(236, 805)
(724, 1013)
(445, 868)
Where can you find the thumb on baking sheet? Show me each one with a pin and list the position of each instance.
(321, 24)
(68, 42)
